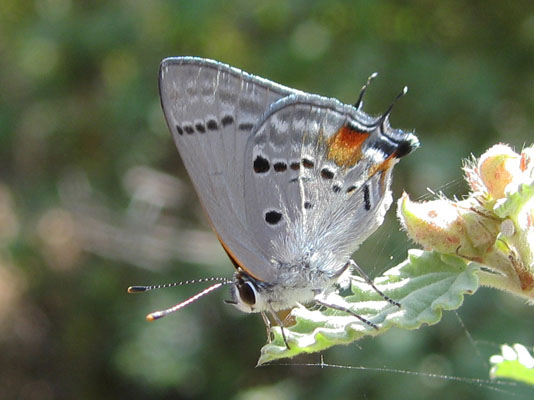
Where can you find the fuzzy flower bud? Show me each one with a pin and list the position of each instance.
(493, 226)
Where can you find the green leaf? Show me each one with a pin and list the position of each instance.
(515, 201)
(425, 284)
(513, 363)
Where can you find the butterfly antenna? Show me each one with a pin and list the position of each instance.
(359, 102)
(139, 289)
(386, 115)
(160, 314)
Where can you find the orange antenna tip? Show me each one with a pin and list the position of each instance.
(154, 316)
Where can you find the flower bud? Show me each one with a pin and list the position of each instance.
(447, 226)
(497, 168)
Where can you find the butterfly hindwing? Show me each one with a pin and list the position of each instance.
(317, 176)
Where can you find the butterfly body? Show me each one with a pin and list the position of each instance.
(292, 182)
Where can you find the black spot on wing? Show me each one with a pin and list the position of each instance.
(327, 174)
(245, 126)
(307, 163)
(273, 217)
(280, 166)
(179, 130)
(261, 165)
(212, 125)
(400, 147)
(405, 148)
(366, 198)
(199, 126)
(227, 120)
(189, 129)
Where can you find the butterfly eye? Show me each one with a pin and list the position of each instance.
(247, 293)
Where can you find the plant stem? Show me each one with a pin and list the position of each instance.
(504, 283)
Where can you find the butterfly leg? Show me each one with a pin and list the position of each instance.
(357, 268)
(281, 324)
(348, 311)
(268, 326)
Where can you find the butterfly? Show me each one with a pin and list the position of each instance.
(292, 182)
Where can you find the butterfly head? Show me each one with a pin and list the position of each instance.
(251, 295)
(246, 293)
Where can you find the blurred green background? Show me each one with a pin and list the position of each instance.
(94, 198)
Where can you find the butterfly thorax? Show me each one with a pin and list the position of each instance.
(299, 283)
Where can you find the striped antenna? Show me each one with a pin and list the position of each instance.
(139, 289)
(160, 314)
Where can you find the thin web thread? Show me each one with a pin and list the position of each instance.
(484, 383)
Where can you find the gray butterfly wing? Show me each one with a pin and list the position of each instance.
(317, 177)
(211, 109)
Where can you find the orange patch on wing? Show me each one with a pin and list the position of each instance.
(383, 166)
(344, 147)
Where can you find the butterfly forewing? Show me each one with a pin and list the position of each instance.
(211, 110)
